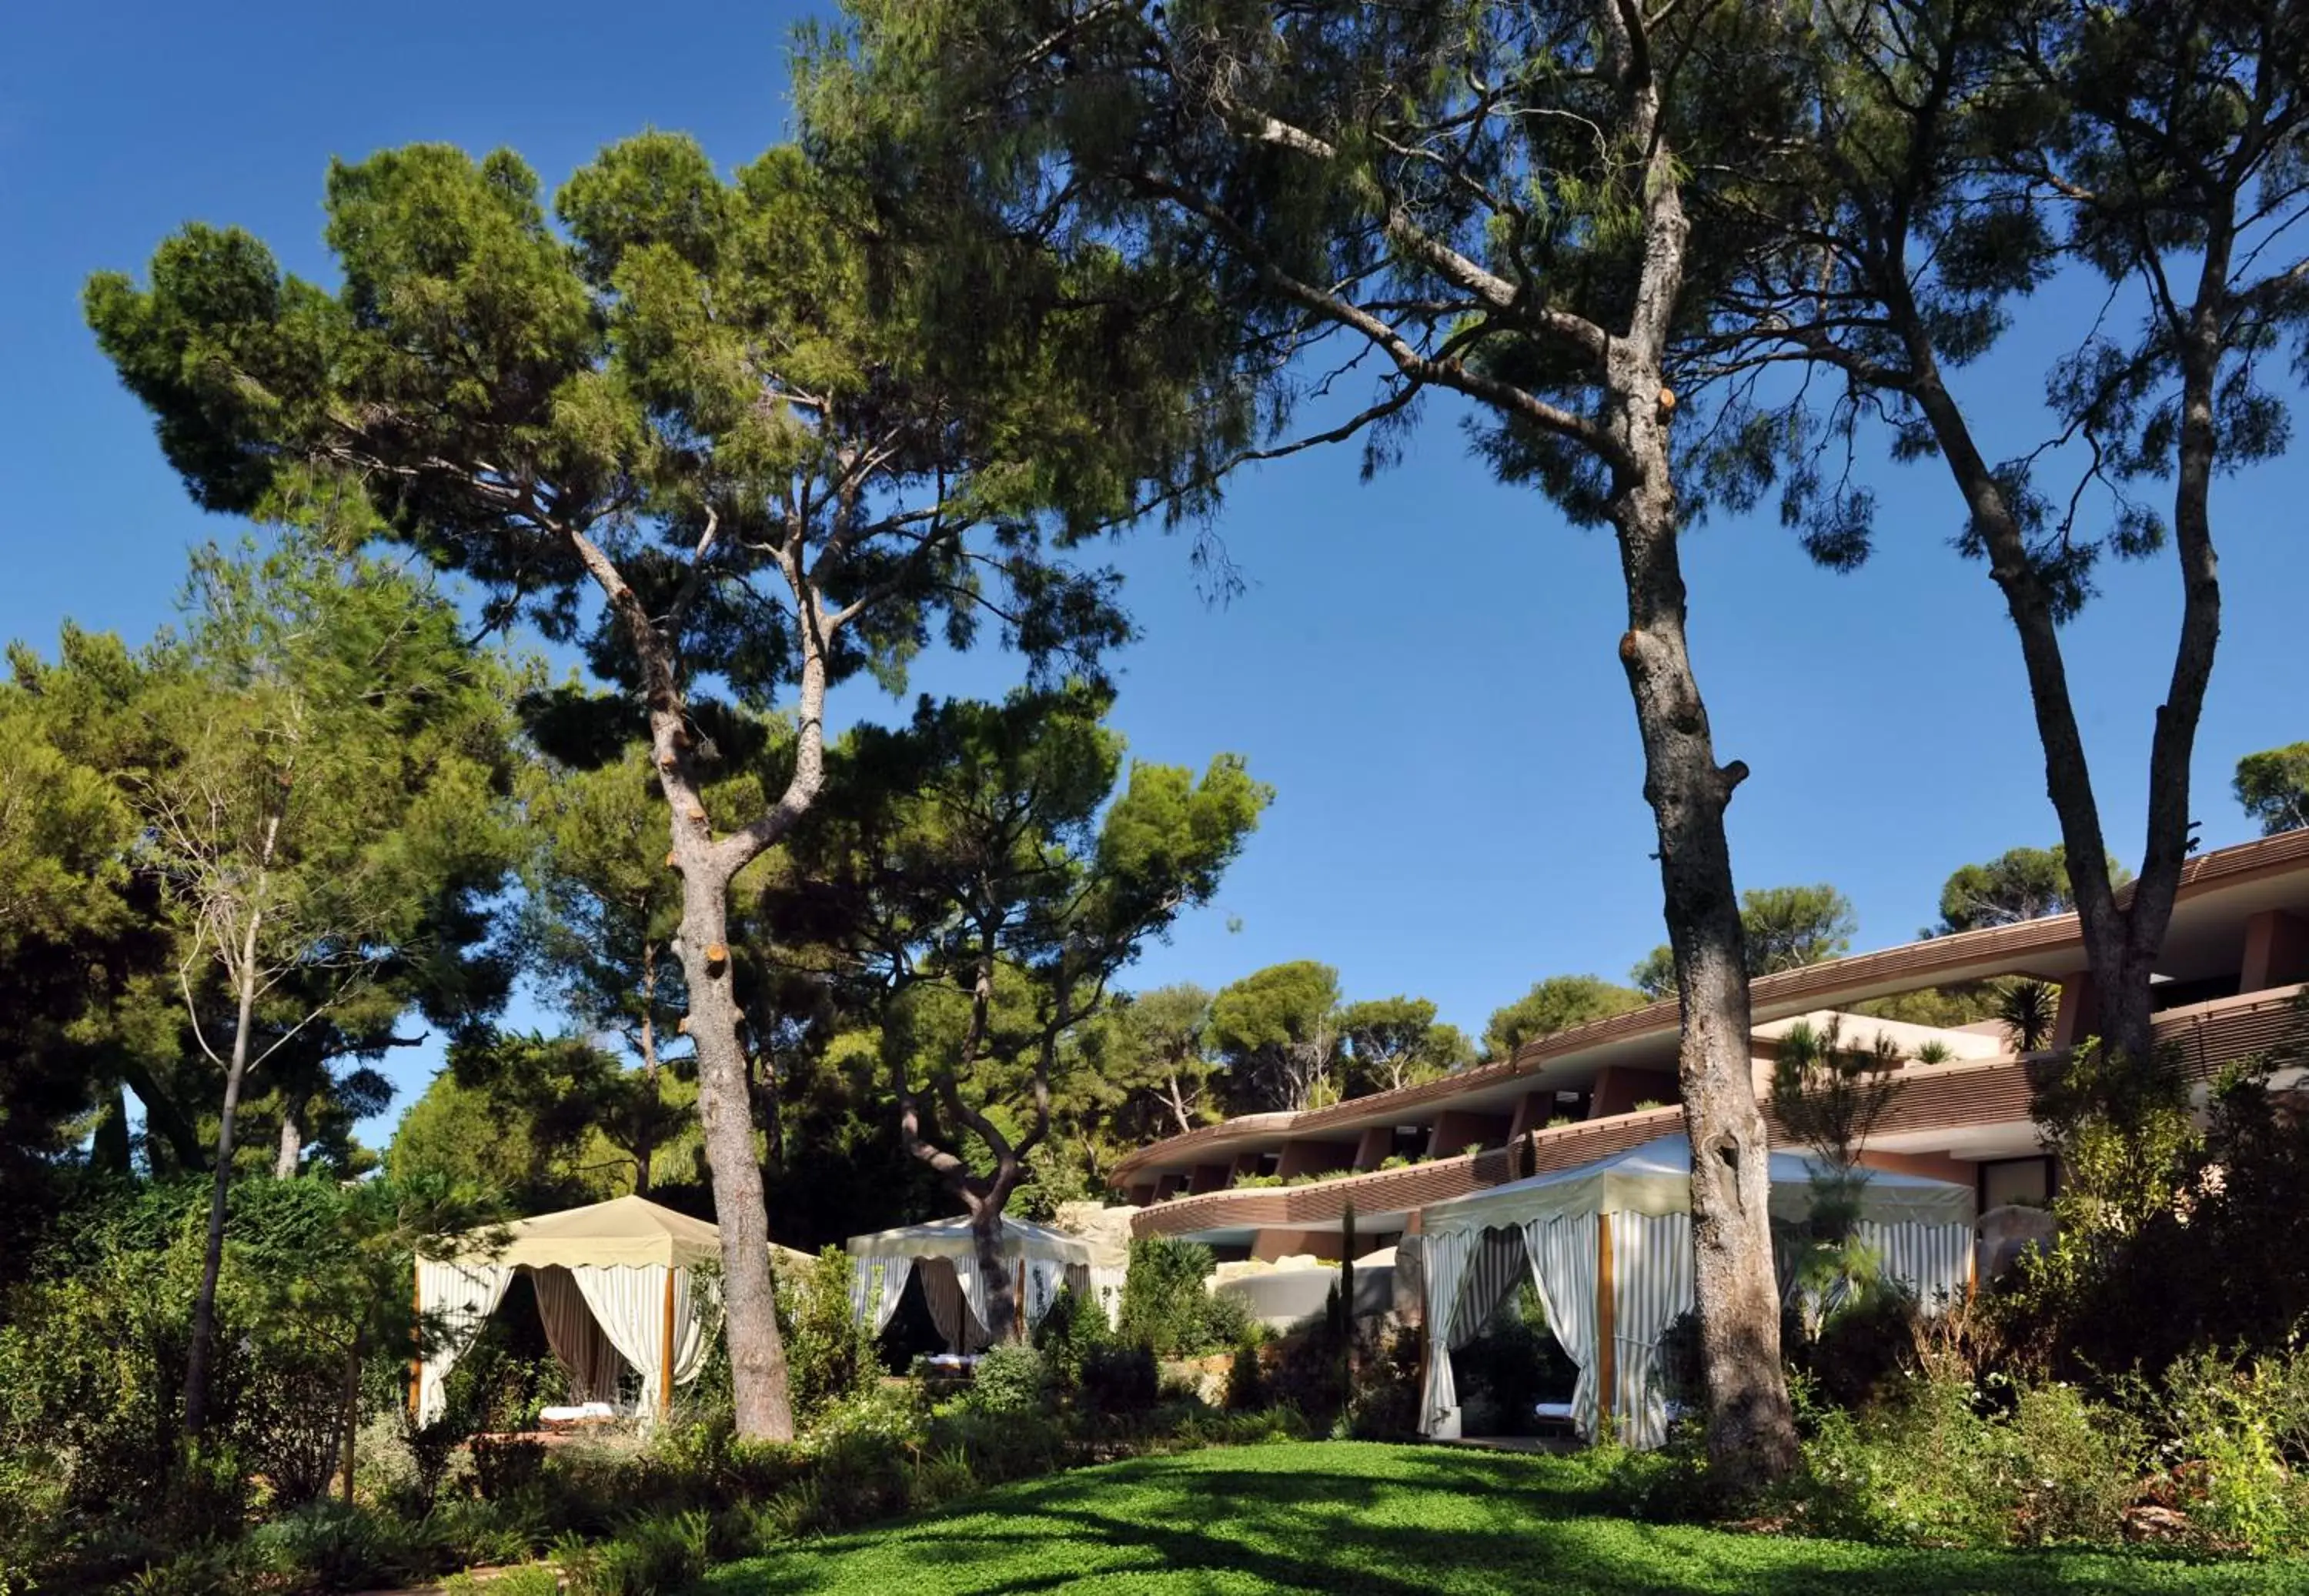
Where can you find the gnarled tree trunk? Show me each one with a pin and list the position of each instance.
(1750, 1426)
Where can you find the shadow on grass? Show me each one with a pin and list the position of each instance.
(1309, 1518)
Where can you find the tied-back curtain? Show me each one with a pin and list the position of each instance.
(1494, 1269)
(697, 1323)
(1562, 1255)
(1045, 1276)
(1933, 1262)
(943, 1293)
(970, 1276)
(876, 1287)
(1106, 1281)
(1449, 1254)
(628, 1303)
(578, 1342)
(1651, 1288)
(454, 1298)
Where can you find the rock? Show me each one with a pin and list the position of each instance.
(2148, 1522)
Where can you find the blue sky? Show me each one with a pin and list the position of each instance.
(1423, 666)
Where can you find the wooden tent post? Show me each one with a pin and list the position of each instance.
(1018, 1304)
(417, 1339)
(1606, 1359)
(665, 1358)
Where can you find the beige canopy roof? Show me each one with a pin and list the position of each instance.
(1655, 1178)
(951, 1238)
(622, 1232)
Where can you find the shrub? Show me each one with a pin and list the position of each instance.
(1246, 1382)
(1939, 1466)
(1167, 1308)
(1384, 1405)
(1119, 1379)
(2230, 1425)
(1863, 1346)
(331, 1546)
(506, 1465)
(1008, 1380)
(887, 1416)
(651, 1555)
(1069, 1333)
(829, 1354)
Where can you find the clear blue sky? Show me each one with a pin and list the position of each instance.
(1423, 666)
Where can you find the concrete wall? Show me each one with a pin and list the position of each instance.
(1455, 1128)
(2276, 951)
(1618, 1089)
(1273, 1244)
(1314, 1158)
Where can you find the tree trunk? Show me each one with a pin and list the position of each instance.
(203, 1339)
(2122, 941)
(760, 1393)
(757, 1360)
(646, 1133)
(1002, 1305)
(1750, 1426)
(290, 1158)
(351, 1408)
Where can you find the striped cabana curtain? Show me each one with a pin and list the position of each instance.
(454, 1298)
(579, 1344)
(1651, 1288)
(1448, 1255)
(942, 1291)
(1561, 1251)
(877, 1285)
(1933, 1262)
(1496, 1268)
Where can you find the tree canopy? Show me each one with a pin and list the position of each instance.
(1392, 1042)
(1555, 1003)
(2272, 788)
(2021, 884)
(755, 435)
(1788, 927)
(1278, 1029)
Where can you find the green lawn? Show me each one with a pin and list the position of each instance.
(1350, 1516)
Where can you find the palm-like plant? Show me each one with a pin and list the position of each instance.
(2027, 1010)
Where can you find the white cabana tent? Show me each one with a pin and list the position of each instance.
(1608, 1245)
(615, 1286)
(945, 1253)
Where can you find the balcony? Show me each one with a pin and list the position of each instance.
(1971, 1109)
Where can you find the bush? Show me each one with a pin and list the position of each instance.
(829, 1354)
(1864, 1346)
(1119, 1379)
(1246, 1382)
(1384, 1404)
(1008, 1380)
(1070, 1333)
(652, 1556)
(1164, 1303)
(331, 1546)
(887, 1416)
(2231, 1426)
(1939, 1466)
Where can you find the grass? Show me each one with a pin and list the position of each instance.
(1393, 1521)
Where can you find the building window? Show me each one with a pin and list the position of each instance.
(2027, 1181)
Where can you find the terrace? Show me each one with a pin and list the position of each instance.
(2237, 951)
